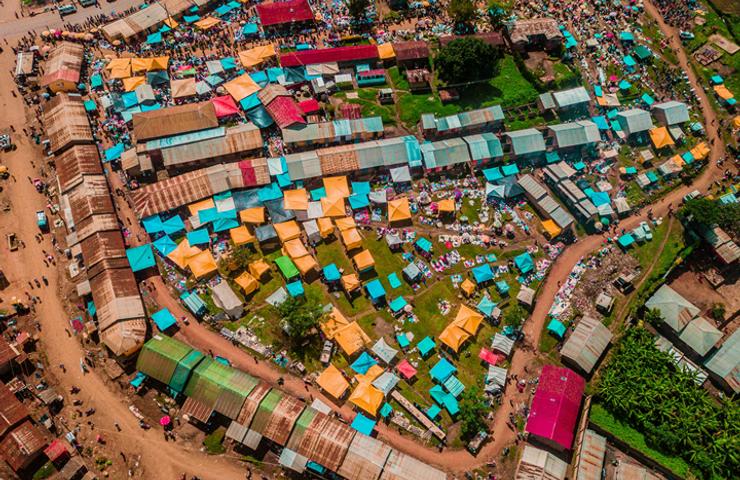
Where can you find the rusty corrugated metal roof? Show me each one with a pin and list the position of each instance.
(66, 122)
(101, 246)
(116, 296)
(73, 164)
(166, 122)
(22, 445)
(12, 411)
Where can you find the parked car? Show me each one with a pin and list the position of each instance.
(88, 3)
(67, 9)
(691, 195)
(326, 352)
(476, 443)
(41, 220)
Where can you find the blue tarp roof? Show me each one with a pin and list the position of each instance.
(214, 80)
(386, 410)
(90, 105)
(250, 102)
(647, 99)
(357, 201)
(283, 179)
(361, 187)
(486, 306)
(199, 237)
(250, 29)
(165, 245)
(424, 244)
(510, 169)
(154, 38)
(318, 193)
(688, 157)
(442, 370)
(260, 117)
(492, 174)
(114, 152)
(129, 99)
(552, 157)
(152, 224)
(502, 286)
(164, 319)
(331, 273)
(363, 363)
(626, 240)
(295, 289)
(397, 304)
(228, 63)
(260, 78)
(524, 262)
(140, 258)
(96, 80)
(598, 91)
(426, 345)
(191, 18)
(624, 85)
(363, 424)
(270, 192)
(173, 225)
(482, 273)
(91, 310)
(601, 122)
(393, 280)
(600, 198)
(556, 327)
(375, 289)
(403, 340)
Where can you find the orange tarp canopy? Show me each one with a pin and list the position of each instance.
(295, 248)
(446, 205)
(468, 319)
(196, 207)
(259, 268)
(385, 51)
(159, 63)
(700, 151)
(326, 228)
(248, 283)
(305, 264)
(171, 22)
(333, 322)
(351, 239)
(332, 382)
(295, 199)
(723, 92)
(120, 73)
(333, 207)
(345, 223)
(207, 23)
(202, 264)
(240, 235)
(399, 210)
(736, 122)
(367, 398)
(241, 87)
(661, 138)
(140, 64)
(468, 287)
(372, 373)
(254, 215)
(350, 282)
(453, 336)
(130, 84)
(551, 228)
(182, 253)
(116, 63)
(336, 187)
(678, 161)
(364, 260)
(255, 56)
(287, 230)
(351, 338)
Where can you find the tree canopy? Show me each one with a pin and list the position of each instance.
(463, 13)
(472, 412)
(498, 12)
(465, 60)
(712, 212)
(301, 316)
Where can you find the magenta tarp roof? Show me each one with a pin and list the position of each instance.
(326, 55)
(225, 106)
(309, 106)
(276, 13)
(284, 110)
(406, 369)
(556, 405)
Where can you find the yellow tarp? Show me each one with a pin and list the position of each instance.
(207, 23)
(248, 283)
(333, 207)
(171, 22)
(254, 215)
(332, 382)
(202, 264)
(183, 253)
(364, 260)
(700, 151)
(660, 137)
(468, 287)
(453, 336)
(295, 248)
(257, 55)
(241, 236)
(345, 223)
(446, 205)
(326, 228)
(117, 63)
(140, 64)
(196, 207)
(259, 268)
(399, 210)
(372, 373)
(336, 187)
(295, 199)
(468, 319)
(159, 63)
(551, 228)
(305, 264)
(351, 282)
(130, 84)
(736, 122)
(678, 161)
(184, 87)
(351, 239)
(351, 338)
(120, 73)
(723, 92)
(241, 87)
(333, 322)
(385, 51)
(367, 398)
(287, 230)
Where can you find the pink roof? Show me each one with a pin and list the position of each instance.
(372, 73)
(325, 55)
(488, 356)
(224, 106)
(556, 405)
(309, 106)
(289, 11)
(406, 369)
(284, 110)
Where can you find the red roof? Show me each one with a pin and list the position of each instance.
(326, 55)
(350, 110)
(290, 11)
(225, 106)
(284, 110)
(12, 411)
(56, 450)
(372, 73)
(22, 445)
(309, 106)
(406, 369)
(556, 405)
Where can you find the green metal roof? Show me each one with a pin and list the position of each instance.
(220, 387)
(159, 357)
(635, 121)
(484, 146)
(725, 363)
(526, 141)
(576, 133)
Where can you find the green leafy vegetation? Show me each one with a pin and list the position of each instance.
(301, 315)
(472, 413)
(214, 441)
(460, 61)
(708, 213)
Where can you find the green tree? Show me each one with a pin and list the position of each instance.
(237, 261)
(358, 9)
(498, 12)
(514, 316)
(463, 13)
(653, 317)
(301, 316)
(718, 312)
(466, 60)
(708, 213)
(472, 412)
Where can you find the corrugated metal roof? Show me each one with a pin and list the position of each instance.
(66, 122)
(160, 356)
(276, 416)
(524, 142)
(562, 218)
(64, 61)
(116, 296)
(303, 165)
(412, 50)
(676, 311)
(365, 458)
(125, 337)
(102, 246)
(174, 120)
(573, 96)
(321, 439)
(591, 458)
(587, 343)
(484, 146)
(673, 111)
(532, 187)
(445, 153)
(405, 467)
(537, 464)
(12, 411)
(73, 164)
(725, 363)
(700, 335)
(635, 120)
(239, 140)
(575, 134)
(90, 197)
(220, 386)
(22, 445)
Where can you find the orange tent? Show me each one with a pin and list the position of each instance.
(350, 282)
(196, 207)
(206, 23)
(182, 253)
(295, 199)
(117, 63)
(120, 73)
(259, 268)
(468, 319)
(241, 236)
(305, 264)
(453, 336)
(345, 223)
(351, 239)
(399, 210)
(367, 397)
(171, 22)
(661, 138)
(130, 84)
(385, 51)
(723, 92)
(326, 228)
(287, 230)
(333, 207)
(255, 56)
(332, 382)
(333, 322)
(336, 187)
(140, 64)
(364, 260)
(700, 151)
(241, 87)
(447, 205)
(295, 248)
(551, 228)
(468, 287)
(159, 63)
(202, 264)
(372, 373)
(248, 283)
(254, 215)
(351, 338)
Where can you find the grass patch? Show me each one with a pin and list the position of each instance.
(412, 106)
(508, 88)
(214, 441)
(646, 253)
(398, 79)
(46, 471)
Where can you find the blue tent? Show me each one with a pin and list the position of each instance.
(295, 289)
(626, 36)
(492, 174)
(250, 29)
(199, 237)
(442, 370)
(423, 244)
(214, 80)
(552, 157)
(173, 225)
(96, 80)
(194, 303)
(361, 188)
(626, 240)
(152, 224)
(260, 78)
(394, 281)
(207, 215)
(502, 287)
(363, 424)
(363, 363)
(260, 117)
(223, 9)
(149, 108)
(397, 304)
(164, 319)
(154, 38)
(386, 410)
(556, 328)
(600, 198)
(403, 340)
(426, 345)
(129, 99)
(647, 99)
(357, 201)
(318, 193)
(375, 289)
(164, 245)
(228, 63)
(524, 262)
(624, 85)
(483, 273)
(433, 411)
(164, 28)
(91, 310)
(270, 192)
(191, 18)
(510, 169)
(140, 258)
(630, 170)
(486, 306)
(717, 79)
(601, 122)
(274, 74)
(224, 222)
(90, 105)
(283, 179)
(331, 273)
(114, 152)
(688, 157)
(598, 91)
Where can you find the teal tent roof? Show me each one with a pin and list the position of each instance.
(483, 273)
(152, 224)
(331, 273)
(424, 244)
(426, 345)
(140, 258)
(486, 306)
(199, 237)
(164, 319)
(363, 363)
(397, 304)
(165, 245)
(363, 424)
(295, 289)
(442, 370)
(173, 225)
(524, 262)
(626, 240)
(375, 289)
(492, 174)
(510, 169)
(556, 327)
(502, 287)
(394, 281)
